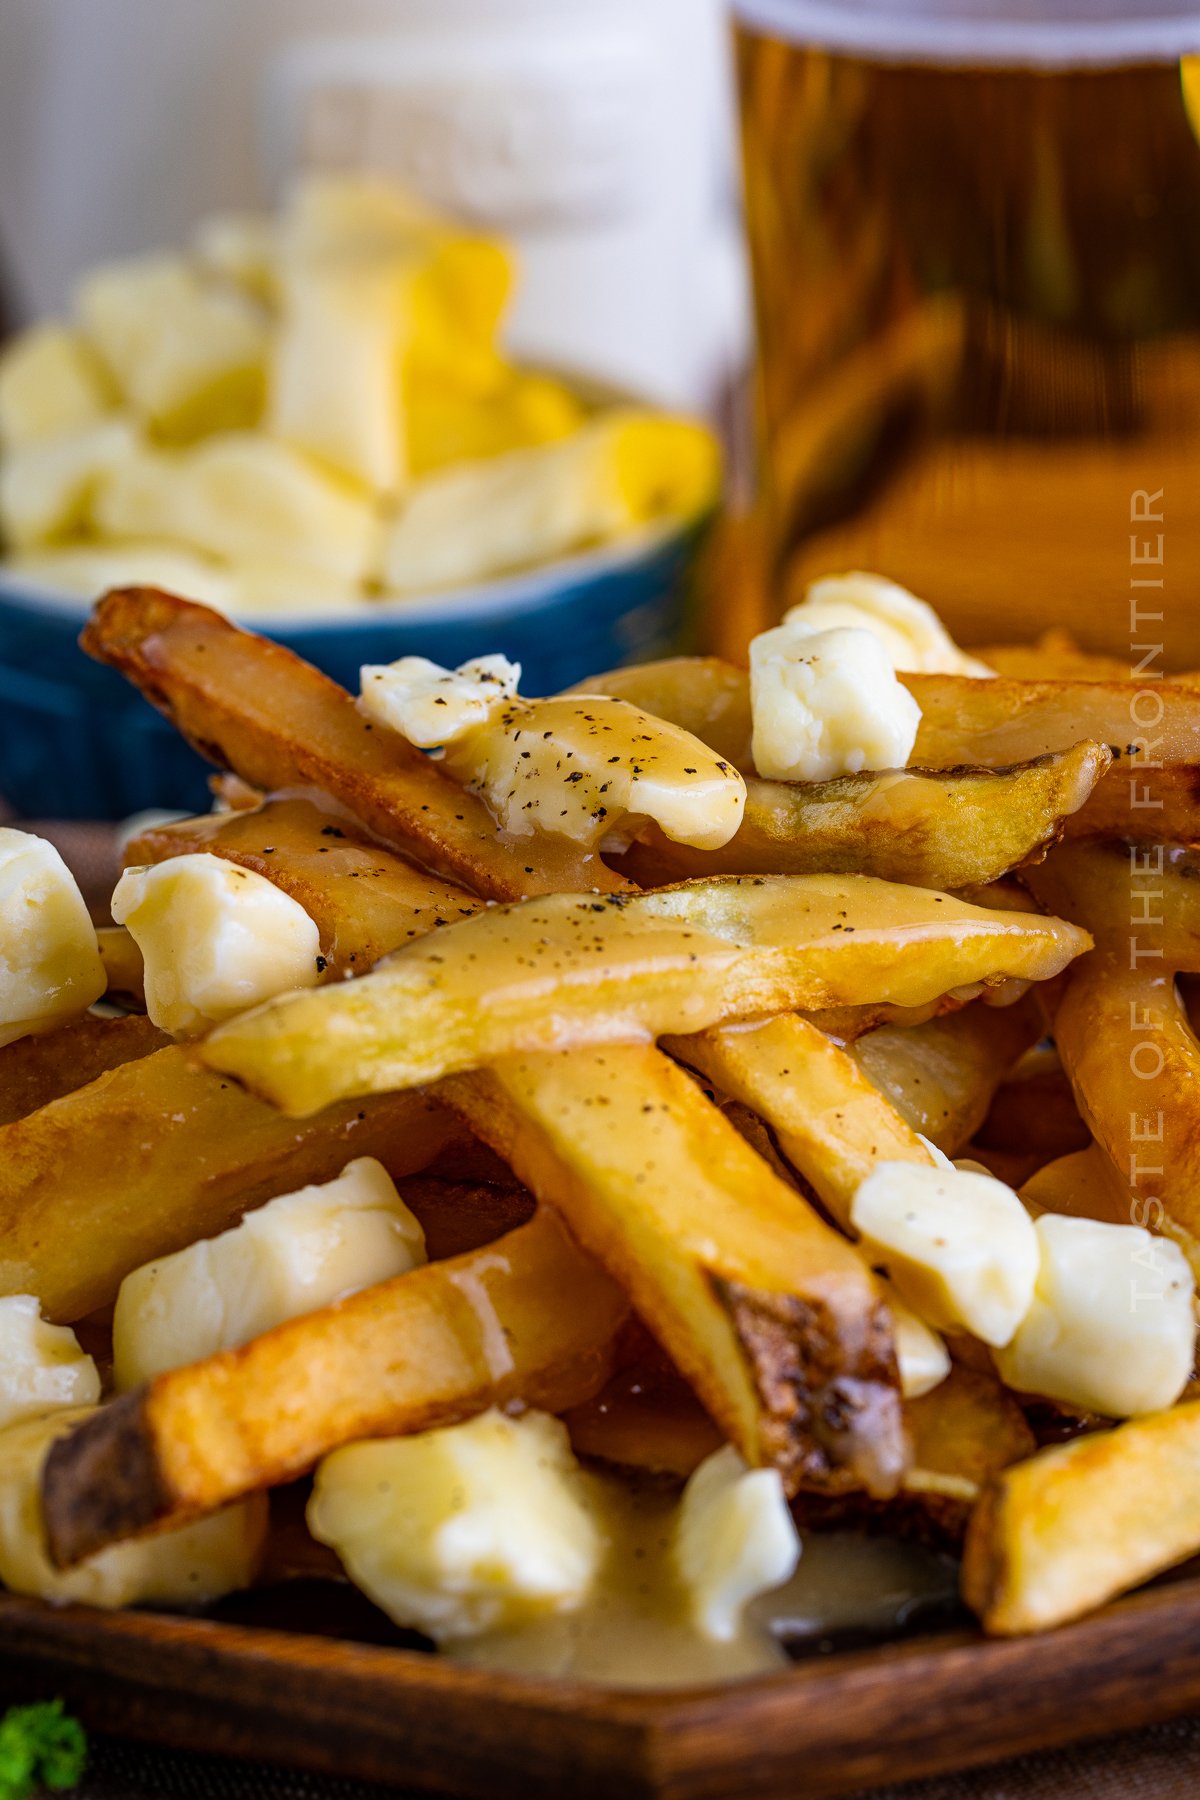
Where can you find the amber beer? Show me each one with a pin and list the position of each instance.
(976, 251)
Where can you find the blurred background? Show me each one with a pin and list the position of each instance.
(924, 273)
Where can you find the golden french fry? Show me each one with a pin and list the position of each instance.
(1121, 1026)
(1033, 1111)
(1101, 883)
(704, 695)
(771, 1316)
(830, 1120)
(1057, 1535)
(366, 901)
(251, 706)
(932, 830)
(941, 1076)
(971, 723)
(570, 969)
(156, 1153)
(530, 1318)
(36, 1070)
(122, 962)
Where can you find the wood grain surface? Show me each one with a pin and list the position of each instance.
(829, 1725)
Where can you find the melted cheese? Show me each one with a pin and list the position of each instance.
(907, 629)
(1111, 1327)
(300, 1252)
(41, 1365)
(827, 703)
(187, 1567)
(959, 1246)
(586, 767)
(50, 967)
(214, 938)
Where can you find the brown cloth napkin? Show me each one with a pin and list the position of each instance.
(1162, 1763)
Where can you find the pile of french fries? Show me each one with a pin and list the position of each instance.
(632, 1101)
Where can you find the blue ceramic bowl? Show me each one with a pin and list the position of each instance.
(77, 742)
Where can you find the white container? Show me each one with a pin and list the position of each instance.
(597, 137)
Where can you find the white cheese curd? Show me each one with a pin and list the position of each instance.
(1111, 1328)
(214, 938)
(50, 967)
(921, 1355)
(432, 706)
(194, 1564)
(586, 767)
(734, 1539)
(960, 1247)
(466, 1530)
(908, 629)
(827, 703)
(41, 1365)
(296, 1254)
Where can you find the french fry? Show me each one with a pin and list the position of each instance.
(964, 1431)
(941, 1076)
(366, 901)
(1095, 880)
(569, 969)
(931, 830)
(704, 695)
(252, 707)
(771, 1316)
(1141, 1103)
(122, 962)
(971, 723)
(1033, 1111)
(156, 1153)
(830, 1120)
(530, 1318)
(36, 1070)
(1061, 1533)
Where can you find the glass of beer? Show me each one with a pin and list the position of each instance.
(975, 235)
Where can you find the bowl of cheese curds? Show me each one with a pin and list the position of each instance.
(308, 421)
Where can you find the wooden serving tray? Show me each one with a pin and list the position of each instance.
(828, 1725)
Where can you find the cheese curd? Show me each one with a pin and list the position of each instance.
(214, 938)
(1111, 1328)
(921, 1355)
(959, 1246)
(296, 1254)
(908, 629)
(50, 967)
(827, 703)
(41, 1365)
(462, 1531)
(186, 1567)
(432, 706)
(54, 487)
(587, 767)
(52, 384)
(734, 1539)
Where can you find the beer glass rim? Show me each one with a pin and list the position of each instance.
(1049, 34)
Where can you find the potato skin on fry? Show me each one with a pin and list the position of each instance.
(36, 1070)
(1055, 1536)
(772, 1317)
(528, 1317)
(252, 707)
(157, 1153)
(944, 829)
